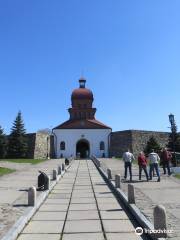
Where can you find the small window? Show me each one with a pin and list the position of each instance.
(102, 145)
(62, 146)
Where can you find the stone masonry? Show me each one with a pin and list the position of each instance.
(41, 144)
(135, 140)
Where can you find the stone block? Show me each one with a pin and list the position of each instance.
(109, 173)
(32, 196)
(117, 180)
(131, 194)
(160, 221)
(54, 174)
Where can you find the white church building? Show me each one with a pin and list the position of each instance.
(82, 135)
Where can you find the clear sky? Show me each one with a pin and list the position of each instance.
(128, 50)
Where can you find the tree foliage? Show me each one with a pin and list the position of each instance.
(152, 144)
(17, 143)
(174, 140)
(2, 143)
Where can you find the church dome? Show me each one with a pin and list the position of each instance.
(82, 92)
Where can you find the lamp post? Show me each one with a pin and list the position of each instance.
(173, 131)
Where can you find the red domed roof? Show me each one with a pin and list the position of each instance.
(82, 93)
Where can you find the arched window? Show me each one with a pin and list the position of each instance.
(62, 146)
(102, 145)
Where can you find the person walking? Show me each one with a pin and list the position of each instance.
(128, 157)
(154, 164)
(142, 162)
(166, 157)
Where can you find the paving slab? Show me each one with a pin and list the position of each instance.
(49, 216)
(61, 191)
(83, 226)
(81, 207)
(111, 214)
(80, 215)
(53, 207)
(82, 195)
(109, 206)
(57, 201)
(77, 191)
(107, 200)
(118, 226)
(50, 227)
(82, 200)
(59, 195)
(104, 195)
(83, 236)
(39, 237)
(123, 236)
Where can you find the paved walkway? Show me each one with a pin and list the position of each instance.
(149, 194)
(13, 197)
(80, 207)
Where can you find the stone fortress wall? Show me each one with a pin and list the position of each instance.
(41, 145)
(135, 140)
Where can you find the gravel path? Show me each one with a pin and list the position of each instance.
(13, 189)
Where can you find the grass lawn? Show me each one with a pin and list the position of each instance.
(32, 161)
(177, 175)
(4, 171)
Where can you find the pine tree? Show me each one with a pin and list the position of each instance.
(174, 140)
(152, 144)
(17, 144)
(2, 143)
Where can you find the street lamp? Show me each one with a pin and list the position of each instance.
(173, 131)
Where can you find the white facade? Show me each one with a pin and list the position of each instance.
(72, 136)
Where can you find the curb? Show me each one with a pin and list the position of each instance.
(17, 228)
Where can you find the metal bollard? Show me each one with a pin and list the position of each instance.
(160, 221)
(118, 181)
(32, 196)
(109, 173)
(131, 195)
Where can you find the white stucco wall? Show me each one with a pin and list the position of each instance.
(72, 136)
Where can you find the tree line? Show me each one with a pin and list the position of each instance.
(14, 145)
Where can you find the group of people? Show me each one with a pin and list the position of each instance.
(154, 160)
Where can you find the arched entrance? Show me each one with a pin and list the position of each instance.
(82, 148)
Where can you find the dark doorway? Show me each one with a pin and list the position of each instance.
(82, 148)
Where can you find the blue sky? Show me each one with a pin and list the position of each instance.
(128, 50)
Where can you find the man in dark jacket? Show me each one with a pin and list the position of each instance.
(166, 157)
(142, 162)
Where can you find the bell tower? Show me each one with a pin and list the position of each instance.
(82, 101)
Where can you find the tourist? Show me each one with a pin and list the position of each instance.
(128, 158)
(154, 164)
(142, 162)
(166, 157)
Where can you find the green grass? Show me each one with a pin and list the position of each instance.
(177, 175)
(32, 161)
(4, 171)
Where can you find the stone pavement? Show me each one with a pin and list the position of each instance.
(149, 194)
(13, 194)
(80, 207)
